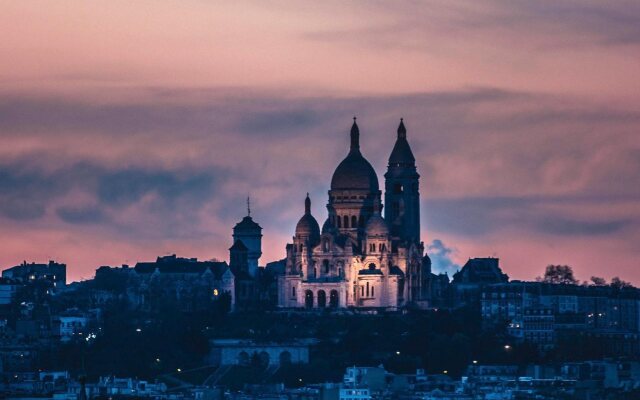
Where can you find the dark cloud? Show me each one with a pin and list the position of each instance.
(548, 24)
(26, 191)
(81, 215)
(575, 227)
(124, 187)
(478, 216)
(29, 191)
(279, 122)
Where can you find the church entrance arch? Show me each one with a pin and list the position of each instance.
(322, 299)
(334, 299)
(243, 358)
(308, 299)
(285, 358)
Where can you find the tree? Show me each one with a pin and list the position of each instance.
(597, 281)
(618, 283)
(559, 274)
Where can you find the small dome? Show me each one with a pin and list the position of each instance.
(308, 226)
(328, 227)
(247, 224)
(377, 226)
(355, 172)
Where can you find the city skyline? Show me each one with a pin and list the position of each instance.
(130, 131)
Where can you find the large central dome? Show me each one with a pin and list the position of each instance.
(355, 172)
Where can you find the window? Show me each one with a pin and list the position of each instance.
(354, 222)
(372, 288)
(293, 291)
(346, 221)
(367, 289)
(383, 247)
(325, 265)
(339, 222)
(362, 291)
(372, 247)
(397, 188)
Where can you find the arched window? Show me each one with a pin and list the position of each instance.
(372, 289)
(322, 299)
(325, 266)
(325, 245)
(285, 358)
(243, 358)
(293, 291)
(372, 266)
(333, 299)
(339, 222)
(362, 291)
(308, 299)
(372, 247)
(367, 289)
(382, 247)
(354, 222)
(346, 221)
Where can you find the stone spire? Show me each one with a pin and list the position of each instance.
(402, 131)
(355, 136)
(401, 155)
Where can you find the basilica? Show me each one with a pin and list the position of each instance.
(365, 256)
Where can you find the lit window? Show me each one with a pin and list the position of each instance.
(215, 292)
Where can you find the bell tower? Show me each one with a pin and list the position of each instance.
(402, 196)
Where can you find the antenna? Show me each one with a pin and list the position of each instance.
(248, 206)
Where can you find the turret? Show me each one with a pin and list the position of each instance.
(250, 233)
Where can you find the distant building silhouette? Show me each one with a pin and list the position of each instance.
(28, 272)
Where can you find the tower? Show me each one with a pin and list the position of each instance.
(250, 234)
(402, 196)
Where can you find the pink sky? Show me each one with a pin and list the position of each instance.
(130, 130)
